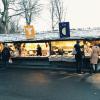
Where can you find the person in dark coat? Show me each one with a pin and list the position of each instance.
(5, 55)
(78, 56)
(39, 50)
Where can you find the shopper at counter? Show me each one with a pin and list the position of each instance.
(94, 58)
(39, 50)
(5, 55)
(78, 56)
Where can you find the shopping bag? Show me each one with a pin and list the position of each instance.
(74, 52)
(10, 61)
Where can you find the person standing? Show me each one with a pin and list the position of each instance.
(78, 56)
(39, 50)
(5, 55)
(94, 58)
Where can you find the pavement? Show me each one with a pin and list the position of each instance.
(30, 84)
(44, 67)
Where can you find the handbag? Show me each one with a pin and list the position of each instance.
(74, 52)
(10, 61)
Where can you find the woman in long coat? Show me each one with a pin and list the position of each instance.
(94, 57)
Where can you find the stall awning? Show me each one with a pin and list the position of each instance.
(44, 36)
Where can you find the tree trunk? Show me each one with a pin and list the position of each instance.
(5, 16)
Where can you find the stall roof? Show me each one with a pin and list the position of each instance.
(51, 36)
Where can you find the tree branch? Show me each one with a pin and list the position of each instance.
(14, 9)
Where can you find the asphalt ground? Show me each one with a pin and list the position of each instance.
(29, 84)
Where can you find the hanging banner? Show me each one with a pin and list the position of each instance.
(30, 32)
(64, 29)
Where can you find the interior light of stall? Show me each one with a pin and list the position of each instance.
(31, 52)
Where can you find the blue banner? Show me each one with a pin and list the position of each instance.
(64, 29)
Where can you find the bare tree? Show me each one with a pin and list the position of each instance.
(57, 12)
(26, 8)
(14, 26)
(52, 13)
(1, 27)
(30, 9)
(5, 14)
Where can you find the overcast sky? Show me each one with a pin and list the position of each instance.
(80, 13)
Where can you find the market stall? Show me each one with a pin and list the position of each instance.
(53, 48)
(62, 50)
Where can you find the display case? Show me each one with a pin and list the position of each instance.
(62, 50)
(28, 49)
(55, 50)
(1, 47)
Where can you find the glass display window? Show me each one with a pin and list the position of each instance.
(65, 47)
(30, 49)
(1, 47)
